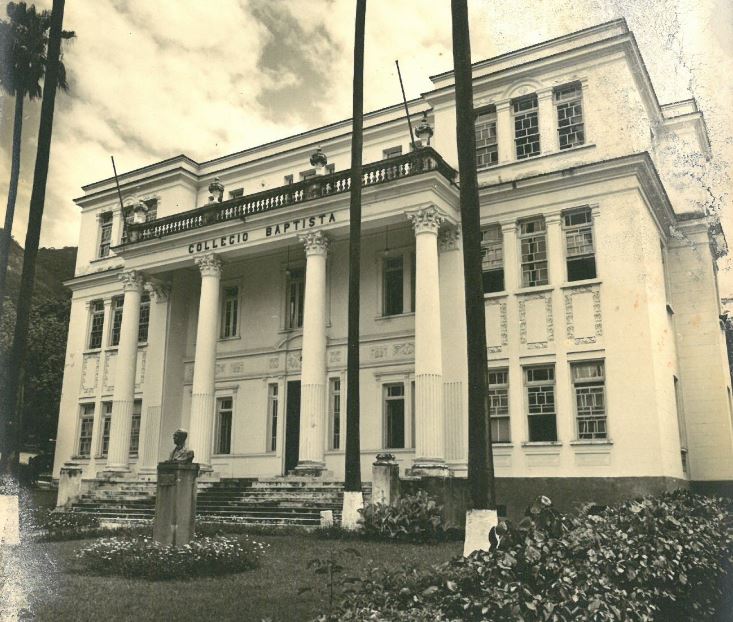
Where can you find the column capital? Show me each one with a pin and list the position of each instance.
(315, 242)
(426, 220)
(508, 226)
(158, 290)
(132, 281)
(545, 93)
(450, 240)
(503, 105)
(209, 264)
(553, 218)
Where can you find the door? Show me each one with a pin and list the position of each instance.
(292, 426)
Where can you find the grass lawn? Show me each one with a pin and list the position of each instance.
(268, 592)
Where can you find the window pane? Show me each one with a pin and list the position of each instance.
(224, 425)
(487, 153)
(570, 126)
(117, 305)
(296, 297)
(526, 127)
(541, 403)
(272, 417)
(590, 400)
(581, 263)
(335, 413)
(395, 424)
(97, 324)
(142, 331)
(230, 312)
(533, 246)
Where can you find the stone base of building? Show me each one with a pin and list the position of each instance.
(514, 494)
(722, 488)
(429, 468)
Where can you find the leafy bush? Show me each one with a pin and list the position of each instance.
(50, 526)
(412, 518)
(662, 558)
(146, 558)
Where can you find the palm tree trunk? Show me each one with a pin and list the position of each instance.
(11, 440)
(480, 455)
(12, 194)
(352, 465)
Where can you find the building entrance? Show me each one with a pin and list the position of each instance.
(292, 426)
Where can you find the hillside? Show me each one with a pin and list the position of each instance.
(53, 266)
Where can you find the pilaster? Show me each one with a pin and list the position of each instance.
(505, 132)
(547, 121)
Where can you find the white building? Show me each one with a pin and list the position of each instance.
(220, 306)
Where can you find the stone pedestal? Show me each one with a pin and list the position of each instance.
(385, 480)
(175, 503)
(70, 488)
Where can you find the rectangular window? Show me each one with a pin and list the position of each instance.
(152, 212)
(105, 234)
(96, 325)
(142, 329)
(272, 393)
(394, 415)
(540, 386)
(106, 427)
(533, 243)
(487, 152)
(296, 297)
(86, 426)
(334, 413)
(137, 409)
(236, 193)
(526, 127)
(499, 405)
(230, 312)
(570, 128)
(117, 304)
(392, 152)
(224, 410)
(580, 254)
(492, 259)
(393, 285)
(590, 400)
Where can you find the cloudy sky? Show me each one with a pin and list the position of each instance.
(149, 80)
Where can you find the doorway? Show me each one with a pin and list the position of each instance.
(292, 426)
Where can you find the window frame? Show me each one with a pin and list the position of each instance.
(230, 329)
(494, 385)
(106, 428)
(534, 384)
(579, 383)
(221, 414)
(531, 133)
(486, 249)
(106, 224)
(485, 144)
(143, 326)
(135, 430)
(335, 413)
(408, 258)
(85, 417)
(289, 315)
(386, 400)
(578, 229)
(98, 313)
(561, 99)
(115, 320)
(528, 266)
(392, 152)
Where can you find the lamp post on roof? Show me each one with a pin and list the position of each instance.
(423, 131)
(318, 161)
(216, 189)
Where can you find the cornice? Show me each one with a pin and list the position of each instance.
(93, 279)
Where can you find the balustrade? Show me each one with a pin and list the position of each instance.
(416, 163)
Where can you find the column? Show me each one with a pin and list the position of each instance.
(505, 132)
(455, 359)
(546, 113)
(429, 432)
(157, 331)
(123, 396)
(512, 259)
(204, 366)
(555, 249)
(313, 375)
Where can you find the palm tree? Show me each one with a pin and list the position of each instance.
(23, 43)
(352, 481)
(480, 455)
(54, 74)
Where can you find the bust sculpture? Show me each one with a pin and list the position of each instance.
(180, 454)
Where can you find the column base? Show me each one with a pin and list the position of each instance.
(309, 468)
(114, 472)
(426, 467)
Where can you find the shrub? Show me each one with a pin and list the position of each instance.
(52, 526)
(412, 518)
(661, 558)
(144, 558)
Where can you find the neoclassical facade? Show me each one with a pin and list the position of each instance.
(215, 297)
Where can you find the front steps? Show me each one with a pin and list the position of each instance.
(280, 501)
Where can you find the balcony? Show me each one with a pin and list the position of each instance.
(418, 162)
